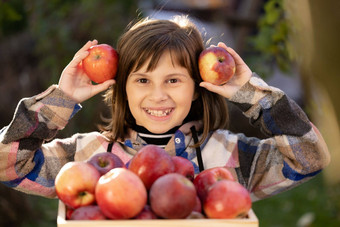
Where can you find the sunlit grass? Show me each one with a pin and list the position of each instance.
(311, 204)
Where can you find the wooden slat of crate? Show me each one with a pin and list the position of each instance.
(251, 221)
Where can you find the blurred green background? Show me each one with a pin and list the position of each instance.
(294, 45)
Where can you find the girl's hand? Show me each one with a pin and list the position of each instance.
(241, 76)
(75, 83)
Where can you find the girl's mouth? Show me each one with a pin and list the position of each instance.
(158, 112)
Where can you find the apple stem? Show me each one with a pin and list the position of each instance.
(220, 59)
(102, 163)
(97, 57)
(190, 177)
(82, 193)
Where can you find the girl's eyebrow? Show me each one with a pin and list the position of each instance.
(168, 75)
(137, 74)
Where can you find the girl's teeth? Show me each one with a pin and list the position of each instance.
(158, 113)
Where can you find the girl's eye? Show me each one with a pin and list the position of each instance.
(172, 81)
(142, 80)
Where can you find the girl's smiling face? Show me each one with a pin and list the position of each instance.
(160, 99)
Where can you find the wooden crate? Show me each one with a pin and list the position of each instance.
(250, 221)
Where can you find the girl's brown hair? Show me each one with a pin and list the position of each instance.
(149, 39)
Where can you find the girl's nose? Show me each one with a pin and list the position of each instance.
(158, 94)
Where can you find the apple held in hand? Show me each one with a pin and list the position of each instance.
(227, 199)
(101, 64)
(75, 184)
(172, 196)
(205, 179)
(150, 163)
(120, 194)
(216, 65)
(105, 161)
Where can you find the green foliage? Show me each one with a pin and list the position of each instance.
(271, 43)
(55, 30)
(58, 28)
(12, 17)
(310, 204)
(45, 212)
(61, 27)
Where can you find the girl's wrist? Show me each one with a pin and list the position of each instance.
(238, 84)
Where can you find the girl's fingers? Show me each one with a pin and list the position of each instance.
(82, 53)
(223, 45)
(87, 46)
(78, 58)
(233, 53)
(102, 87)
(225, 90)
(211, 87)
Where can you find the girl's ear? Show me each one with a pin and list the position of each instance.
(195, 96)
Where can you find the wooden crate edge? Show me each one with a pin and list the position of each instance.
(251, 221)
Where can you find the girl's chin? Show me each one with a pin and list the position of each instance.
(158, 130)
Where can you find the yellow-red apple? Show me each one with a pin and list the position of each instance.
(120, 194)
(205, 179)
(227, 199)
(75, 184)
(216, 65)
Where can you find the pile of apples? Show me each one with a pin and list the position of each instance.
(153, 185)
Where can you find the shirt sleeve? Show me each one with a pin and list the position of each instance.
(294, 150)
(27, 163)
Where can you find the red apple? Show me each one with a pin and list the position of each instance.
(184, 166)
(198, 206)
(205, 179)
(172, 196)
(105, 161)
(101, 64)
(150, 163)
(146, 213)
(90, 212)
(75, 184)
(195, 215)
(216, 65)
(227, 199)
(120, 194)
(69, 212)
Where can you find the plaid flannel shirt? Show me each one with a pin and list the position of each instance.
(30, 156)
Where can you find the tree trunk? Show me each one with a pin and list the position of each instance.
(315, 39)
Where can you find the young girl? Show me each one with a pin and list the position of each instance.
(159, 98)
